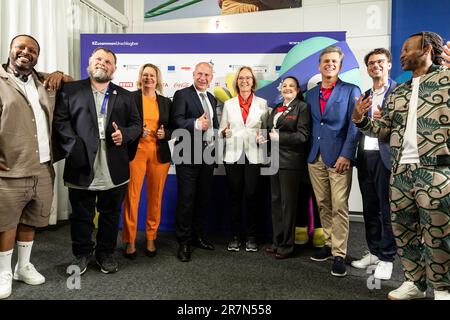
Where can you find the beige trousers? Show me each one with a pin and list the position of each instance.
(332, 190)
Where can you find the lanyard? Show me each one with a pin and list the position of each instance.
(105, 102)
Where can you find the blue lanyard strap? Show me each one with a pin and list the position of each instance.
(105, 102)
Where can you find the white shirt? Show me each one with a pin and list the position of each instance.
(30, 90)
(278, 114)
(377, 100)
(410, 153)
(197, 126)
(210, 132)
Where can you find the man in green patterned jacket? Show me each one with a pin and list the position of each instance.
(417, 120)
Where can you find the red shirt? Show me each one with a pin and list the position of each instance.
(324, 95)
(245, 106)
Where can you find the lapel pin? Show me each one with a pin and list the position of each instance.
(114, 92)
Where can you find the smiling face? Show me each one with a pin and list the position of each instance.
(245, 81)
(330, 65)
(412, 55)
(23, 54)
(101, 66)
(289, 89)
(378, 66)
(149, 79)
(202, 76)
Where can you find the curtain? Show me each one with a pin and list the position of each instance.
(57, 25)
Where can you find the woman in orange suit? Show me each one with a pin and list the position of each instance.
(152, 160)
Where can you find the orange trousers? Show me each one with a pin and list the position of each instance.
(144, 164)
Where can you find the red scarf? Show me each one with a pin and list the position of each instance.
(245, 106)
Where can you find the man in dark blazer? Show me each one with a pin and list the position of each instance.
(94, 122)
(374, 171)
(332, 153)
(194, 110)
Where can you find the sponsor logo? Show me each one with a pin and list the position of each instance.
(126, 84)
(171, 68)
(181, 85)
(186, 68)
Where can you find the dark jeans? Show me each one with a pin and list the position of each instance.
(243, 184)
(374, 184)
(108, 204)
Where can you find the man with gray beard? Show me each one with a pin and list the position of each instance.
(94, 122)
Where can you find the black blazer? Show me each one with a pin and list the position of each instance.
(294, 127)
(164, 107)
(187, 108)
(75, 129)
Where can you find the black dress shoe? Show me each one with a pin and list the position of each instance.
(131, 256)
(149, 253)
(202, 243)
(184, 253)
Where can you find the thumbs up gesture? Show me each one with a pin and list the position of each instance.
(377, 114)
(227, 131)
(203, 122)
(117, 135)
(259, 138)
(161, 134)
(274, 136)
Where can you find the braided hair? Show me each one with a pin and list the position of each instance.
(436, 42)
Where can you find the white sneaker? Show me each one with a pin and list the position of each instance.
(367, 260)
(441, 295)
(29, 275)
(383, 271)
(407, 291)
(5, 284)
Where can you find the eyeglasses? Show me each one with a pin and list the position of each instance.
(245, 78)
(379, 62)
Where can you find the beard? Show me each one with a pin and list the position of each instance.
(99, 75)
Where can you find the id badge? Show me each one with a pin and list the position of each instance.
(101, 128)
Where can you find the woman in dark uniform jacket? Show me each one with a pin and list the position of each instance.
(289, 125)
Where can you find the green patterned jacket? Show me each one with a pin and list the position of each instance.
(433, 119)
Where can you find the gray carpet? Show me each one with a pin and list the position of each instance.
(218, 274)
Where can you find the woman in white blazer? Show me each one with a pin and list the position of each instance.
(242, 117)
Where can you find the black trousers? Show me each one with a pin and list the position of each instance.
(306, 192)
(243, 181)
(109, 205)
(285, 185)
(194, 183)
(373, 180)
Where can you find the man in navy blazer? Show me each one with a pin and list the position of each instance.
(194, 110)
(374, 171)
(332, 152)
(94, 122)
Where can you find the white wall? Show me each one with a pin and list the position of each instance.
(367, 24)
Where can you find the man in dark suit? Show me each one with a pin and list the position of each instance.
(194, 110)
(374, 170)
(94, 122)
(333, 147)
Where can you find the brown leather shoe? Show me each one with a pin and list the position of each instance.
(281, 256)
(270, 250)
